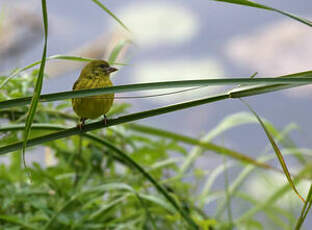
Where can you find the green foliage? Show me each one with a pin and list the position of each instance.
(39, 81)
(92, 187)
(260, 6)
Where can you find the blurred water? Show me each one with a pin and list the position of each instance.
(218, 23)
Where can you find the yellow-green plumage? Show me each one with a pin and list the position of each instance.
(94, 75)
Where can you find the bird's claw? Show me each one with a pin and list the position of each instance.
(105, 120)
(81, 123)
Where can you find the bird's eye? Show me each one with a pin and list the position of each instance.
(103, 66)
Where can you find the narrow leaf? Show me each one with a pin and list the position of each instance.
(17, 221)
(276, 150)
(149, 177)
(272, 84)
(135, 127)
(257, 5)
(116, 51)
(268, 202)
(206, 145)
(54, 57)
(305, 209)
(38, 87)
(111, 14)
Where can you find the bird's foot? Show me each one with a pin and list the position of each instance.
(81, 123)
(105, 120)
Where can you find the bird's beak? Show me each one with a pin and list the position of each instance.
(111, 69)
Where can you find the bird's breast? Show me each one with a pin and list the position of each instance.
(92, 106)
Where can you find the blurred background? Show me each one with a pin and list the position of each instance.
(175, 40)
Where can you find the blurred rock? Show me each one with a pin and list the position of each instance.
(159, 23)
(280, 48)
(277, 49)
(20, 30)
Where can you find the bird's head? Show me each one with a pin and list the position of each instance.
(98, 68)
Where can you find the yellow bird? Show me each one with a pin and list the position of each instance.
(94, 75)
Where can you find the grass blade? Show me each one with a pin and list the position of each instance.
(54, 57)
(275, 196)
(276, 150)
(228, 198)
(146, 130)
(116, 51)
(17, 221)
(159, 187)
(257, 5)
(278, 83)
(38, 87)
(124, 119)
(193, 141)
(245, 91)
(245, 3)
(305, 209)
(209, 182)
(112, 122)
(124, 157)
(111, 14)
(249, 168)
